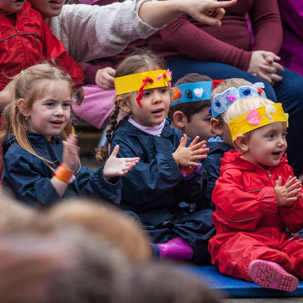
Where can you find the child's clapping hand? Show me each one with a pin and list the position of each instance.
(115, 167)
(70, 155)
(188, 156)
(286, 195)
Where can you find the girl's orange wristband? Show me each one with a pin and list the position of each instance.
(63, 174)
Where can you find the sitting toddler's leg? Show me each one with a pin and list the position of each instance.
(271, 275)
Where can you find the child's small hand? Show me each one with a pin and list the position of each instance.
(115, 167)
(286, 195)
(70, 155)
(188, 156)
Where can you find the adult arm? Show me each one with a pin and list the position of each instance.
(90, 32)
(190, 40)
(266, 25)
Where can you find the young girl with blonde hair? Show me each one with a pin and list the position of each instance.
(161, 181)
(258, 200)
(40, 157)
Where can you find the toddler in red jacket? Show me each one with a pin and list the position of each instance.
(258, 200)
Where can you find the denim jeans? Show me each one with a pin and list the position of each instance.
(289, 92)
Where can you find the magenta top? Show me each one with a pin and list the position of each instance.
(292, 48)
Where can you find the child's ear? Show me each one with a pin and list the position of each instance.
(179, 119)
(215, 125)
(23, 107)
(124, 105)
(241, 142)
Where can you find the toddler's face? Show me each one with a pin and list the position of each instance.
(48, 8)
(11, 6)
(220, 128)
(155, 105)
(199, 125)
(267, 144)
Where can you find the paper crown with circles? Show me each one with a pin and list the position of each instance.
(142, 81)
(221, 102)
(257, 118)
(190, 92)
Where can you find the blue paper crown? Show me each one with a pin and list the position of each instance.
(221, 102)
(191, 92)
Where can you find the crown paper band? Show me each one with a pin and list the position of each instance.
(141, 81)
(190, 92)
(256, 118)
(221, 102)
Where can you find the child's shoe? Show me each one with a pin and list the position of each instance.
(271, 275)
(175, 249)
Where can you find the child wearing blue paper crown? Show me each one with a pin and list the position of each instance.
(189, 107)
(225, 94)
(39, 168)
(258, 200)
(157, 186)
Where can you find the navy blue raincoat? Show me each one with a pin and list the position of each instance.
(28, 177)
(155, 188)
(212, 166)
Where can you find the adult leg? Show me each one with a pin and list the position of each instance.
(290, 93)
(182, 65)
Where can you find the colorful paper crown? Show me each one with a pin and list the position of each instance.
(221, 102)
(142, 81)
(190, 92)
(256, 118)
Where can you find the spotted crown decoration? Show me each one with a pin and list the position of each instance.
(257, 118)
(221, 102)
(142, 81)
(190, 92)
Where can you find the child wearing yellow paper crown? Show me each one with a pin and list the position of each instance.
(258, 200)
(156, 188)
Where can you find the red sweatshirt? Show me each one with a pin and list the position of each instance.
(28, 42)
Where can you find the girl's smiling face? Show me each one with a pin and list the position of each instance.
(50, 112)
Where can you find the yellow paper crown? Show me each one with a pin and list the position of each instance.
(256, 118)
(134, 82)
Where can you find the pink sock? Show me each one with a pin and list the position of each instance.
(176, 249)
(271, 275)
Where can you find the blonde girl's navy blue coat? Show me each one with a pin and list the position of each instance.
(156, 190)
(28, 177)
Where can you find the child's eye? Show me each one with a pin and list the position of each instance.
(164, 90)
(66, 105)
(146, 93)
(49, 104)
(284, 134)
(270, 136)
